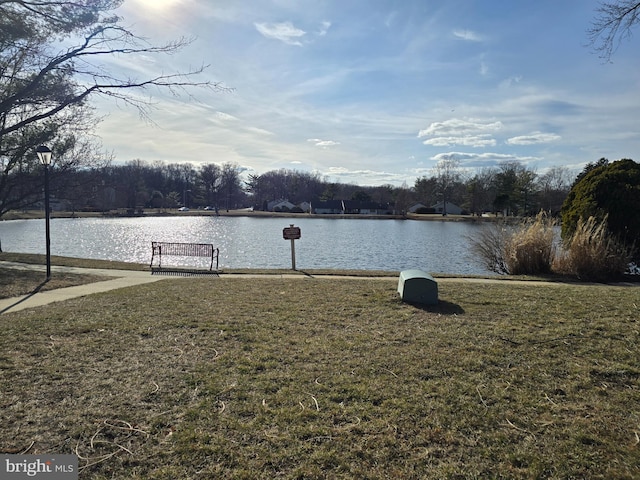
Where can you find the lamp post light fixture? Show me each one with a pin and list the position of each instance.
(44, 154)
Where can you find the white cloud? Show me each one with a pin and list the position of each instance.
(324, 28)
(481, 159)
(258, 131)
(322, 143)
(224, 116)
(534, 138)
(283, 96)
(339, 170)
(458, 127)
(364, 176)
(467, 35)
(285, 32)
(484, 140)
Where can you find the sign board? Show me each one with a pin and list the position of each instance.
(291, 233)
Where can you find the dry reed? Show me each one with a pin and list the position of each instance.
(530, 250)
(524, 250)
(593, 253)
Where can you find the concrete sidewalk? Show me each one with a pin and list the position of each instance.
(130, 278)
(121, 279)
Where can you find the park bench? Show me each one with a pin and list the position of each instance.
(160, 249)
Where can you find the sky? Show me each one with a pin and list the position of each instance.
(377, 92)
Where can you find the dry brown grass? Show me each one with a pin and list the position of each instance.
(308, 378)
(530, 250)
(525, 249)
(593, 254)
(36, 259)
(15, 282)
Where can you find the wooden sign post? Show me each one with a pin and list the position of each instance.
(292, 233)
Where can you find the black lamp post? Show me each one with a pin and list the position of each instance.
(44, 154)
(185, 198)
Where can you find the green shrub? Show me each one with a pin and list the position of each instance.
(610, 191)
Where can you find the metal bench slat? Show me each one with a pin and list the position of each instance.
(183, 249)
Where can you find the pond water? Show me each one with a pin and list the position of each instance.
(250, 242)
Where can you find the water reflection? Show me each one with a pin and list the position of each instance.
(249, 242)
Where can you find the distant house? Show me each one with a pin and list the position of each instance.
(320, 207)
(305, 206)
(279, 205)
(415, 207)
(452, 209)
(351, 207)
(366, 208)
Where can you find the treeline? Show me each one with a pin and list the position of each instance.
(510, 188)
(138, 185)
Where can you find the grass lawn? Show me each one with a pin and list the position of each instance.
(18, 282)
(14, 283)
(318, 378)
(31, 258)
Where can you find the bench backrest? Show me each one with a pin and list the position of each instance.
(183, 249)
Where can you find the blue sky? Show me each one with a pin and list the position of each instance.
(378, 91)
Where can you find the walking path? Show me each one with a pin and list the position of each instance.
(121, 279)
(129, 278)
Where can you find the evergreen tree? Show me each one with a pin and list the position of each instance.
(612, 191)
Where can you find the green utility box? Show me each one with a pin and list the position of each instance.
(416, 286)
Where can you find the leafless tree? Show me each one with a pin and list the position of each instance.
(447, 174)
(614, 21)
(45, 88)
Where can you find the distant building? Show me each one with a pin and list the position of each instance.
(452, 209)
(279, 205)
(366, 208)
(415, 207)
(320, 207)
(351, 207)
(305, 206)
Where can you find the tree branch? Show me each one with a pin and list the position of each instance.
(83, 51)
(614, 21)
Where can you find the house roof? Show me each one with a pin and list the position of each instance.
(361, 205)
(347, 205)
(280, 202)
(440, 204)
(327, 204)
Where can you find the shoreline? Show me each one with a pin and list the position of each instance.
(122, 213)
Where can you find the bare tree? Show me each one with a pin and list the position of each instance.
(230, 184)
(211, 178)
(447, 173)
(554, 187)
(480, 190)
(614, 21)
(44, 88)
